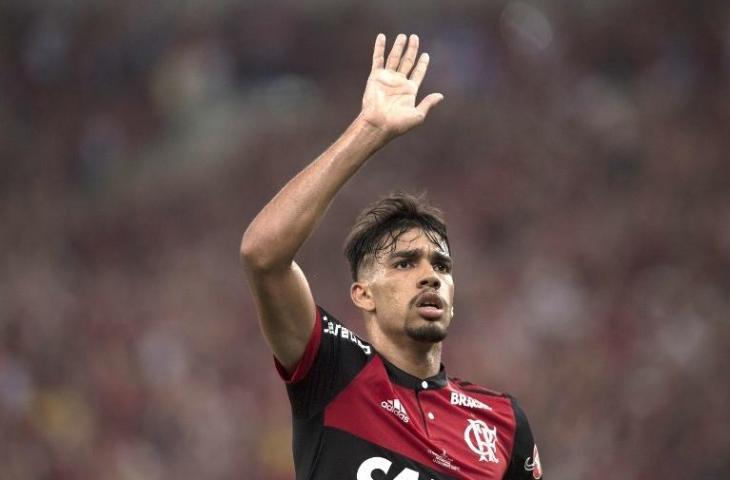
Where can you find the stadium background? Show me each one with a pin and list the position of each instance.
(581, 157)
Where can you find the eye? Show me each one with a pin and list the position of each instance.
(442, 267)
(402, 264)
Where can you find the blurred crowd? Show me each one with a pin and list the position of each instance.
(580, 157)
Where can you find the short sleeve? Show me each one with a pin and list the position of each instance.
(310, 352)
(525, 460)
(334, 355)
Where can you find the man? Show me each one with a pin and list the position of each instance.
(383, 409)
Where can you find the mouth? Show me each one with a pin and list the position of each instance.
(429, 305)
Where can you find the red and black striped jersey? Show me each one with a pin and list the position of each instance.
(357, 416)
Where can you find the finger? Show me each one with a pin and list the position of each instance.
(395, 53)
(420, 71)
(429, 102)
(410, 57)
(379, 52)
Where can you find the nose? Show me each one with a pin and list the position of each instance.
(430, 280)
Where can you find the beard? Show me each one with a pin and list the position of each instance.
(429, 333)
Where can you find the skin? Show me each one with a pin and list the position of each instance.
(283, 299)
(386, 293)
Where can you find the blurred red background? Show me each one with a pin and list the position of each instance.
(580, 156)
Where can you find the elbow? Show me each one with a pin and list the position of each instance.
(256, 254)
(251, 252)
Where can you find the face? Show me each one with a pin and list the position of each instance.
(409, 288)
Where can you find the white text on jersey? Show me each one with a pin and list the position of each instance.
(396, 408)
(380, 464)
(338, 330)
(466, 401)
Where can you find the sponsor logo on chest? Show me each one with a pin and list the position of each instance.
(466, 401)
(396, 408)
(369, 467)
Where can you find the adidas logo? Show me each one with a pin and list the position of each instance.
(396, 408)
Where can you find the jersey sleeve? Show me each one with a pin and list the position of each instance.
(334, 355)
(525, 460)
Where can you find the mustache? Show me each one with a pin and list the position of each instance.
(415, 299)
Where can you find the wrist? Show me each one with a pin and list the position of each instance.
(372, 133)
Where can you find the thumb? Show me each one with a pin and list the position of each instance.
(428, 102)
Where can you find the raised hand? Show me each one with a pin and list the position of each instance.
(389, 101)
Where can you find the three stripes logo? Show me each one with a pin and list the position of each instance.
(396, 408)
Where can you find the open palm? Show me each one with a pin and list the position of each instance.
(389, 101)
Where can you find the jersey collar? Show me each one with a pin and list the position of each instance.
(409, 381)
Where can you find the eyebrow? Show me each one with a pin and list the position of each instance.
(418, 253)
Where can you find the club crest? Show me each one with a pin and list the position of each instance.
(482, 440)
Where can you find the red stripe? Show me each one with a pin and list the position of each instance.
(310, 353)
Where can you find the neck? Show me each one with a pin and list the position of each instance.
(419, 359)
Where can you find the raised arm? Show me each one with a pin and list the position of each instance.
(283, 299)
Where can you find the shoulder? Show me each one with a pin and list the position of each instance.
(333, 358)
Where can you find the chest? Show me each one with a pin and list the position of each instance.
(461, 434)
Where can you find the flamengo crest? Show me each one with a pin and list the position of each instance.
(482, 440)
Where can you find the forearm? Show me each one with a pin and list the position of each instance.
(279, 287)
(273, 238)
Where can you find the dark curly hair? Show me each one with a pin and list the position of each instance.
(379, 226)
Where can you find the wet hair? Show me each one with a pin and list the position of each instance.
(381, 223)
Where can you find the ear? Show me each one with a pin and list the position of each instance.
(362, 297)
